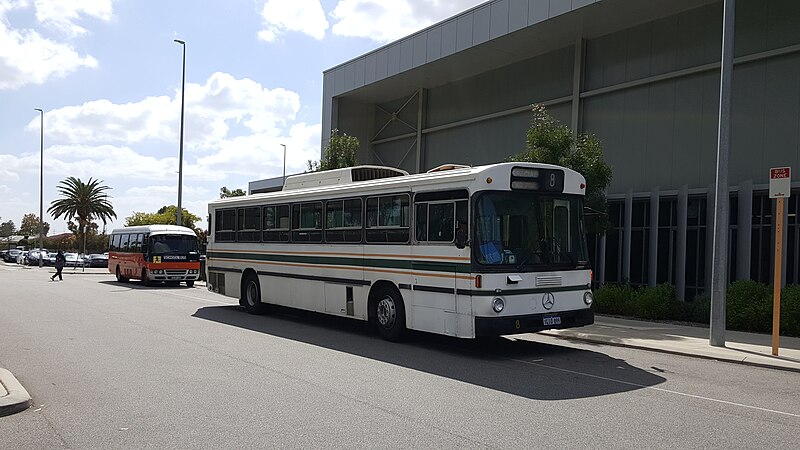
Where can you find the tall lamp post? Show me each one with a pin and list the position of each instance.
(284, 163)
(41, 185)
(180, 158)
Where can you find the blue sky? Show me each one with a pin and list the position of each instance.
(108, 76)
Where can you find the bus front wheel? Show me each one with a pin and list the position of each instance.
(145, 281)
(251, 295)
(390, 314)
(190, 283)
(120, 278)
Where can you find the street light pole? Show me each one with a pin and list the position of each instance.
(41, 185)
(180, 158)
(284, 163)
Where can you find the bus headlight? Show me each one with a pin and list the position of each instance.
(588, 298)
(498, 304)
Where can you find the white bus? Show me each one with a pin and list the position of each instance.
(461, 251)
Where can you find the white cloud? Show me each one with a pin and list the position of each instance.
(304, 16)
(27, 57)
(212, 111)
(63, 14)
(388, 20)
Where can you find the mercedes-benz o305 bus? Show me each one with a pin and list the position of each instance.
(461, 251)
(154, 254)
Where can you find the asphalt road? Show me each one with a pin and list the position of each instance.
(114, 365)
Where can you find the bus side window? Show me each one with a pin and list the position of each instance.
(123, 242)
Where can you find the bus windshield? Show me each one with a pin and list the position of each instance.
(529, 230)
(173, 245)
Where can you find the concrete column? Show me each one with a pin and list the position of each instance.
(652, 273)
(577, 85)
(708, 252)
(680, 250)
(744, 227)
(422, 107)
(626, 236)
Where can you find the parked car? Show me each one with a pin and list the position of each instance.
(72, 260)
(21, 257)
(51, 259)
(97, 260)
(11, 255)
(33, 257)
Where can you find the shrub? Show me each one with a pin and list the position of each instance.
(749, 307)
(654, 303)
(613, 299)
(790, 310)
(697, 311)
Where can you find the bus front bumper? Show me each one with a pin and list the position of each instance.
(531, 323)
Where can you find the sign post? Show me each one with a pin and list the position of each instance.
(780, 187)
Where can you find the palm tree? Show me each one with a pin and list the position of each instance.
(84, 202)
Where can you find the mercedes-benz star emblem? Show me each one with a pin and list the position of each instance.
(548, 300)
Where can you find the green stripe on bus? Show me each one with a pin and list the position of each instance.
(428, 266)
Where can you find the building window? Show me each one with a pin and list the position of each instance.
(667, 240)
(614, 238)
(640, 242)
(696, 215)
(761, 244)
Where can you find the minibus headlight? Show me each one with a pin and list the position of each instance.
(588, 298)
(498, 304)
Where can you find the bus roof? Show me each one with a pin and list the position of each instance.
(457, 177)
(156, 229)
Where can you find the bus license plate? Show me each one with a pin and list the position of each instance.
(552, 320)
(178, 278)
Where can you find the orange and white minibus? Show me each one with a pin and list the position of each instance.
(154, 254)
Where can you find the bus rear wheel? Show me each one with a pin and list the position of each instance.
(120, 278)
(251, 295)
(390, 314)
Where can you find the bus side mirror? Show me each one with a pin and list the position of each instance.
(461, 238)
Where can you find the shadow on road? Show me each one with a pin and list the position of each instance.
(525, 368)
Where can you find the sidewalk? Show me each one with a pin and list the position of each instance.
(743, 348)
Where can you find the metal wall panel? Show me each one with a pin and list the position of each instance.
(349, 77)
(517, 15)
(420, 49)
(464, 32)
(434, 44)
(747, 121)
(400, 154)
(637, 64)
(782, 19)
(393, 60)
(663, 53)
(538, 79)
(499, 19)
(481, 19)
(560, 7)
(406, 54)
(538, 10)
(449, 33)
(581, 3)
(660, 135)
(359, 66)
(382, 63)
(782, 113)
(338, 83)
(370, 68)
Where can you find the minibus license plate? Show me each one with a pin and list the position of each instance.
(552, 320)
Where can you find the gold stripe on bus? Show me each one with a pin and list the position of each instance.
(371, 255)
(311, 266)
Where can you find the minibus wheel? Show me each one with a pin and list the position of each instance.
(120, 278)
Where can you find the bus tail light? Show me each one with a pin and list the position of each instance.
(478, 281)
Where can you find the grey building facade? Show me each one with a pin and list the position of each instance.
(642, 75)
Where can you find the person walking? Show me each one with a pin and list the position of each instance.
(61, 260)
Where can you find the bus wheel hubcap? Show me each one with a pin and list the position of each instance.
(252, 291)
(386, 312)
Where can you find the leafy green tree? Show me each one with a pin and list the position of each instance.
(550, 142)
(164, 216)
(83, 202)
(224, 192)
(30, 226)
(340, 152)
(7, 228)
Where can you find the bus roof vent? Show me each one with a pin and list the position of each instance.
(444, 167)
(340, 176)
